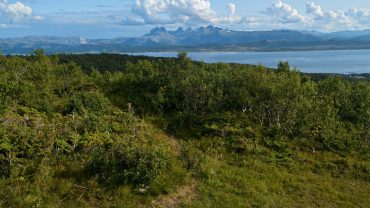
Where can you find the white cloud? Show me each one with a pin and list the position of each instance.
(233, 17)
(132, 21)
(361, 15)
(333, 19)
(320, 14)
(232, 9)
(284, 13)
(179, 11)
(16, 12)
(359, 12)
(312, 8)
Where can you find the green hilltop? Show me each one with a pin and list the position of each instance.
(110, 130)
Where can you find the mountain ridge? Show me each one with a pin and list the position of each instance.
(202, 38)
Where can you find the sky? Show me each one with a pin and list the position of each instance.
(128, 18)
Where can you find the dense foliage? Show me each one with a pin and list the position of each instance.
(60, 122)
(55, 120)
(238, 101)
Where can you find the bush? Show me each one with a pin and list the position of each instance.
(127, 164)
(191, 155)
(87, 102)
(4, 167)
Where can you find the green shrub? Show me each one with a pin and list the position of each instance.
(4, 167)
(87, 102)
(191, 155)
(127, 164)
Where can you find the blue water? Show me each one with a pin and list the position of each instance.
(334, 61)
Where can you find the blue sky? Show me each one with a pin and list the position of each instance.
(124, 18)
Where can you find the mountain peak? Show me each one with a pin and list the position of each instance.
(209, 28)
(158, 30)
(180, 29)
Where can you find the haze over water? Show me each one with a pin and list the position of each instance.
(333, 61)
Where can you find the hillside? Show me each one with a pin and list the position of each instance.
(109, 130)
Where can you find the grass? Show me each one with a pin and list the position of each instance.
(61, 181)
(254, 177)
(251, 180)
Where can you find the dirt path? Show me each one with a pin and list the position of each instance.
(183, 195)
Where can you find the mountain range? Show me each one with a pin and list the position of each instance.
(200, 39)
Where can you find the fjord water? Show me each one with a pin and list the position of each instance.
(331, 61)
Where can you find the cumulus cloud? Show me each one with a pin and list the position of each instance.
(359, 12)
(315, 9)
(16, 12)
(179, 11)
(278, 15)
(233, 17)
(320, 14)
(284, 13)
(232, 9)
(332, 19)
(361, 15)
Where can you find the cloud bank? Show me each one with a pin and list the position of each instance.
(278, 15)
(329, 19)
(318, 18)
(284, 13)
(16, 12)
(155, 12)
(134, 16)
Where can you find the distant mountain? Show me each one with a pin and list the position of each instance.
(213, 35)
(34, 41)
(199, 39)
(348, 34)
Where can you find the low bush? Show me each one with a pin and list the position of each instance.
(127, 163)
